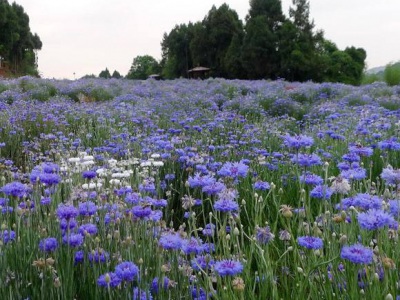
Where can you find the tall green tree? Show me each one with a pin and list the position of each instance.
(218, 29)
(18, 46)
(176, 58)
(142, 67)
(260, 54)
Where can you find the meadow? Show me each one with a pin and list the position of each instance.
(187, 189)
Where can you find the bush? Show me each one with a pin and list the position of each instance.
(392, 74)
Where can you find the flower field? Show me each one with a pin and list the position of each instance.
(215, 189)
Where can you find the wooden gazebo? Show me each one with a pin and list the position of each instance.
(198, 72)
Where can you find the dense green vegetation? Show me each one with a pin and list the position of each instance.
(18, 45)
(268, 45)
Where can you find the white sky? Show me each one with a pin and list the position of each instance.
(86, 36)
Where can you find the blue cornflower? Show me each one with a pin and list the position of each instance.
(109, 280)
(139, 294)
(79, 256)
(264, 235)
(394, 208)
(233, 170)
(192, 245)
(311, 179)
(170, 241)
(261, 185)
(49, 178)
(321, 192)
(141, 212)
(68, 224)
(360, 150)
(155, 284)
(297, 141)
(49, 167)
(391, 176)
(228, 267)
(203, 262)
(357, 254)
(310, 242)
(73, 239)
(67, 211)
(357, 173)
(98, 256)
(214, 188)
(88, 229)
(306, 160)
(48, 244)
(15, 189)
(87, 208)
(200, 181)
(390, 144)
(361, 201)
(127, 271)
(89, 174)
(45, 201)
(209, 229)
(7, 236)
(375, 218)
(226, 205)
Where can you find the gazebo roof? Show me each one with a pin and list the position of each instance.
(199, 69)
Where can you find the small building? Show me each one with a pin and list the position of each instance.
(198, 73)
(154, 76)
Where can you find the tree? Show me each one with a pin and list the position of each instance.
(105, 74)
(142, 67)
(176, 57)
(116, 75)
(18, 46)
(260, 53)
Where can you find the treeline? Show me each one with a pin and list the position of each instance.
(268, 45)
(17, 43)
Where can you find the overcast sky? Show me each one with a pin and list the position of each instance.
(86, 36)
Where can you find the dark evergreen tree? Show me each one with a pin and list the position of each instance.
(105, 74)
(18, 46)
(116, 75)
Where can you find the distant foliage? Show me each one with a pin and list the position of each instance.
(18, 45)
(142, 67)
(392, 74)
(268, 46)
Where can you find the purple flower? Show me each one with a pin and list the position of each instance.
(394, 208)
(226, 205)
(233, 170)
(297, 141)
(375, 218)
(228, 267)
(139, 294)
(7, 236)
(48, 245)
(49, 167)
(79, 256)
(261, 185)
(98, 256)
(192, 245)
(67, 224)
(357, 173)
(361, 201)
(88, 229)
(391, 176)
(67, 211)
(87, 208)
(140, 211)
(360, 150)
(49, 178)
(45, 201)
(170, 241)
(390, 144)
(311, 179)
(310, 242)
(15, 189)
(127, 271)
(321, 192)
(357, 254)
(209, 229)
(306, 160)
(155, 284)
(200, 181)
(73, 239)
(264, 235)
(109, 280)
(214, 188)
(203, 262)
(89, 174)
